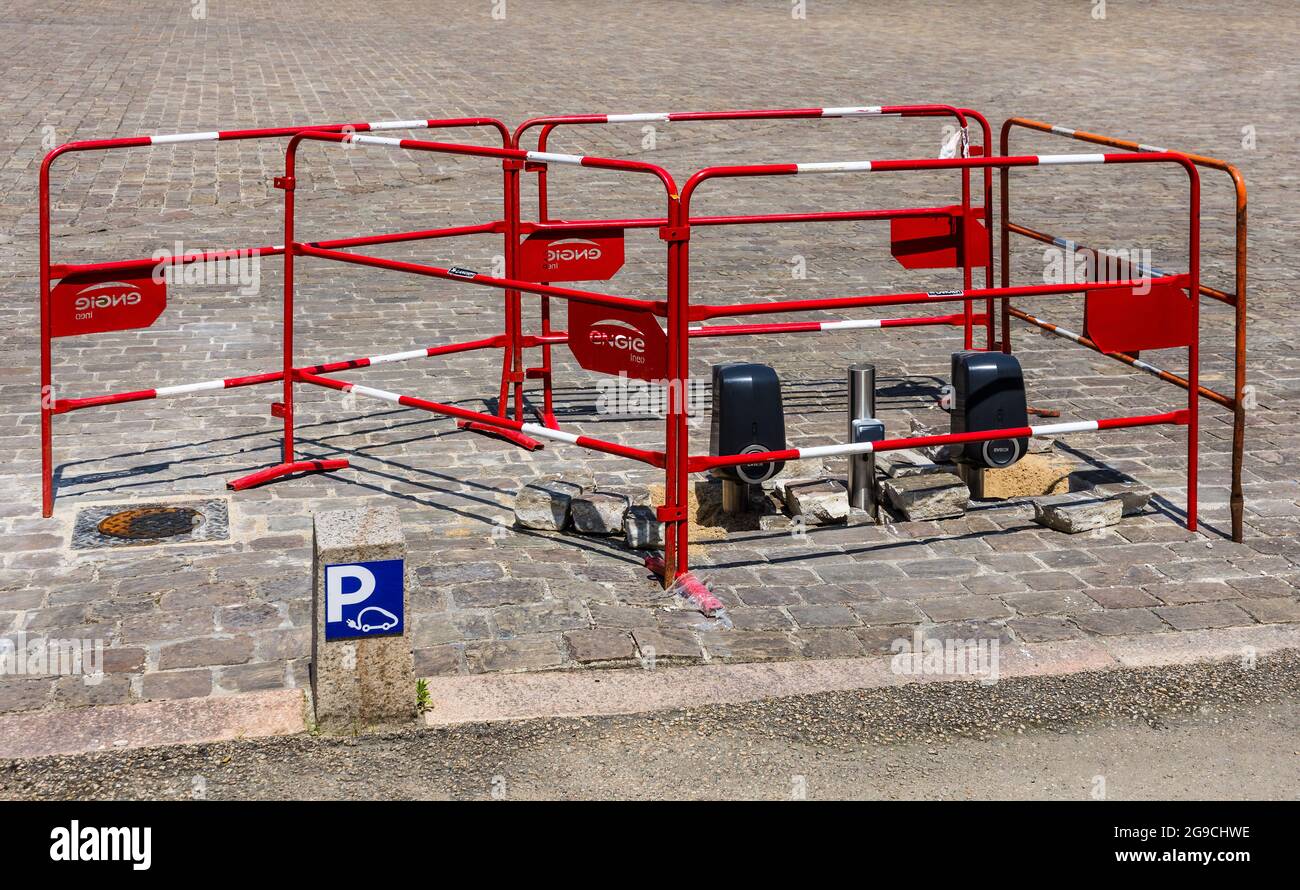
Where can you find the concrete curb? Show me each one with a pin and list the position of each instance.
(495, 697)
(176, 722)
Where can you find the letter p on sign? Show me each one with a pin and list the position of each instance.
(336, 599)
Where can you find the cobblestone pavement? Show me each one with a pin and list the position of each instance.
(220, 617)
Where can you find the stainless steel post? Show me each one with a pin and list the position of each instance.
(862, 467)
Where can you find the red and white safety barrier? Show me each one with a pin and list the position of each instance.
(1179, 418)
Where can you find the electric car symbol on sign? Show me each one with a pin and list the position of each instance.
(387, 622)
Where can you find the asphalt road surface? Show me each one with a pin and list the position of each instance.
(1198, 732)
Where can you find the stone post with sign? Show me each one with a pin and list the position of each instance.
(362, 671)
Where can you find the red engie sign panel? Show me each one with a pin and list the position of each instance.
(618, 341)
(931, 242)
(96, 302)
(576, 255)
(1157, 316)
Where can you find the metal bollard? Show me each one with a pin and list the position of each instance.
(862, 467)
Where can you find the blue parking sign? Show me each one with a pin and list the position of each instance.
(364, 599)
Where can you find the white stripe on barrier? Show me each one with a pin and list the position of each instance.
(851, 111)
(375, 393)
(833, 167)
(397, 356)
(552, 157)
(1062, 131)
(189, 387)
(1051, 429)
(833, 450)
(851, 324)
(1137, 362)
(397, 125)
(1078, 426)
(631, 118)
(1066, 332)
(1048, 160)
(361, 139)
(184, 137)
(545, 432)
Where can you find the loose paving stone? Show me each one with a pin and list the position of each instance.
(1077, 512)
(643, 528)
(1106, 482)
(817, 503)
(927, 496)
(795, 472)
(544, 504)
(910, 462)
(599, 513)
(936, 453)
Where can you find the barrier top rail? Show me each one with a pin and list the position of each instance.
(549, 123)
(62, 270)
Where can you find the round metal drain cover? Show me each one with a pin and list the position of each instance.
(144, 523)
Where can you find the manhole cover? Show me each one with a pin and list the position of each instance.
(135, 525)
(150, 522)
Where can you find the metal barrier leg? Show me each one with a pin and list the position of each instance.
(47, 384)
(288, 466)
(1236, 500)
